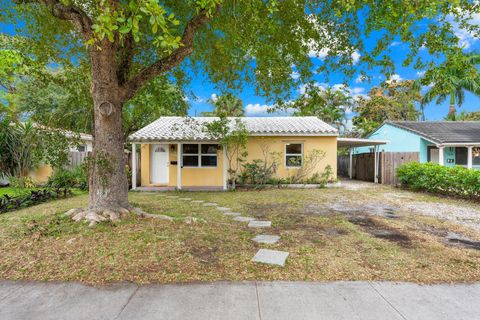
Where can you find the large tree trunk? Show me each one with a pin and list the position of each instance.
(108, 180)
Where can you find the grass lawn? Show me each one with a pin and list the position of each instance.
(13, 192)
(326, 241)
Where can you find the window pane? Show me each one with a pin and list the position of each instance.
(209, 148)
(190, 148)
(294, 161)
(209, 161)
(461, 156)
(190, 161)
(295, 148)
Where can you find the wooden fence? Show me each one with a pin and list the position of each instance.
(363, 165)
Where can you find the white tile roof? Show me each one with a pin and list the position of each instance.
(192, 128)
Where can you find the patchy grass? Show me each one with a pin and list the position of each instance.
(13, 192)
(39, 243)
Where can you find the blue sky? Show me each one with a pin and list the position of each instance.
(255, 105)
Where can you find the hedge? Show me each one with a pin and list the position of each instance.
(454, 181)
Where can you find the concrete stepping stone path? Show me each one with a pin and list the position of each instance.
(243, 219)
(259, 224)
(197, 201)
(210, 204)
(185, 199)
(272, 257)
(223, 209)
(172, 197)
(266, 238)
(233, 214)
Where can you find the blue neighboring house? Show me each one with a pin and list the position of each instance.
(445, 142)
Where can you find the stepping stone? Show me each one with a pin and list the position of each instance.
(223, 209)
(184, 199)
(234, 214)
(172, 197)
(273, 257)
(244, 219)
(265, 238)
(197, 201)
(210, 204)
(260, 224)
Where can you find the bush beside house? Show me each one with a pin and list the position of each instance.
(455, 181)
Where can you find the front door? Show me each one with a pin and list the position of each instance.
(433, 155)
(159, 163)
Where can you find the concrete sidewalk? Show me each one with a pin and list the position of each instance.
(240, 300)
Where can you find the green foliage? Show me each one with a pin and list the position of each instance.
(328, 104)
(73, 178)
(24, 182)
(468, 116)
(278, 35)
(453, 181)
(392, 101)
(308, 168)
(232, 136)
(451, 79)
(25, 146)
(226, 105)
(35, 197)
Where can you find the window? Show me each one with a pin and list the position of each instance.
(461, 156)
(293, 155)
(82, 148)
(199, 155)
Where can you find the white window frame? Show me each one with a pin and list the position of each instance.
(199, 155)
(292, 154)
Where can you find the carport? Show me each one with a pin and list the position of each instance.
(352, 143)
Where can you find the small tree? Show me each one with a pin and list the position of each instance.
(308, 167)
(261, 171)
(232, 136)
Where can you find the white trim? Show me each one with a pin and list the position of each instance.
(179, 167)
(459, 144)
(469, 157)
(134, 166)
(441, 156)
(292, 154)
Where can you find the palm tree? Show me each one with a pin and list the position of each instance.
(327, 104)
(450, 80)
(227, 105)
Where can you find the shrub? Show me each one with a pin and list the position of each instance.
(22, 182)
(64, 178)
(455, 181)
(257, 172)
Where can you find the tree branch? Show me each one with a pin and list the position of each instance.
(77, 16)
(169, 62)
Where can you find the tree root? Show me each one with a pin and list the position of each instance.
(93, 216)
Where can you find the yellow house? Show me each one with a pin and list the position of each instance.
(176, 152)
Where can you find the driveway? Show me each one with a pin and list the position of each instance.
(240, 300)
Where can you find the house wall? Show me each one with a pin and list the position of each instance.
(214, 176)
(400, 140)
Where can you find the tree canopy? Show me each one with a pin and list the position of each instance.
(329, 104)
(226, 105)
(395, 100)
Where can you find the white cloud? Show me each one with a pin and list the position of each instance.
(465, 38)
(295, 75)
(420, 73)
(257, 109)
(395, 43)
(356, 57)
(214, 97)
(359, 79)
(394, 77)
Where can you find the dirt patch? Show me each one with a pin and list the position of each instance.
(380, 231)
(204, 254)
(317, 210)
